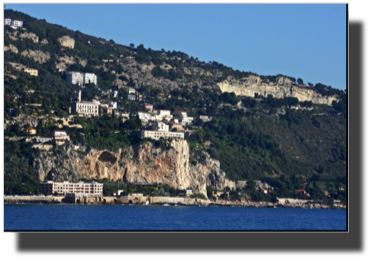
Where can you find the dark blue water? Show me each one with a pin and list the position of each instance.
(124, 217)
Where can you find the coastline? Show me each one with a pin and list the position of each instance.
(185, 202)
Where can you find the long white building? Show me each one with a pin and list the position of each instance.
(90, 189)
(156, 135)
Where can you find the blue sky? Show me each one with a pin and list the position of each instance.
(299, 40)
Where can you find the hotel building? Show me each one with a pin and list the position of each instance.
(88, 189)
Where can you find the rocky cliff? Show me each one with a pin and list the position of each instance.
(11, 47)
(36, 55)
(29, 35)
(141, 163)
(282, 88)
(66, 41)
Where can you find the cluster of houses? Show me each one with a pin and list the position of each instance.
(158, 123)
(31, 71)
(59, 137)
(15, 24)
(156, 128)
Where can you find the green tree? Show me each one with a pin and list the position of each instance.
(300, 81)
(209, 192)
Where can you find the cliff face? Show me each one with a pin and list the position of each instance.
(142, 163)
(29, 35)
(37, 55)
(282, 88)
(66, 41)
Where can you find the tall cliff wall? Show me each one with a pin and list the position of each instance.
(282, 88)
(142, 163)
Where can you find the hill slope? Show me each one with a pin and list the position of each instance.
(277, 135)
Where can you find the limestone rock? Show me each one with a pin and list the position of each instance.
(71, 60)
(26, 120)
(68, 60)
(141, 163)
(83, 62)
(66, 41)
(61, 65)
(11, 47)
(37, 55)
(282, 88)
(29, 35)
(44, 42)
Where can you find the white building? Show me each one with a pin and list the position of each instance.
(60, 137)
(75, 78)
(84, 108)
(42, 139)
(143, 116)
(90, 78)
(17, 24)
(205, 118)
(96, 101)
(187, 120)
(91, 189)
(149, 107)
(159, 126)
(7, 21)
(156, 135)
(183, 118)
(61, 134)
(162, 113)
(131, 90)
(132, 97)
(112, 104)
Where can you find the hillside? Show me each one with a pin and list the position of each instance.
(269, 128)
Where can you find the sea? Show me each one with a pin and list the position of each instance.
(70, 217)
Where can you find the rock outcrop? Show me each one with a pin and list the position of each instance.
(66, 41)
(282, 88)
(29, 35)
(26, 120)
(141, 163)
(11, 47)
(72, 60)
(44, 42)
(37, 55)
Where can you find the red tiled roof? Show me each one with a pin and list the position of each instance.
(263, 189)
(300, 190)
